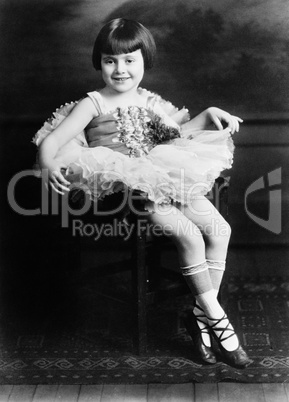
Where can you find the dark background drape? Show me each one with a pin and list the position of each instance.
(228, 54)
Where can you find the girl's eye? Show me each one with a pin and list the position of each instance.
(108, 61)
(129, 61)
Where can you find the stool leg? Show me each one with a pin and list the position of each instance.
(154, 267)
(139, 283)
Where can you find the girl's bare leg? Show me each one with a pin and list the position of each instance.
(189, 240)
(191, 251)
(192, 230)
(216, 232)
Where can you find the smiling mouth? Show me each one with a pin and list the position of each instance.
(122, 79)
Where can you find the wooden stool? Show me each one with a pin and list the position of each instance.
(145, 265)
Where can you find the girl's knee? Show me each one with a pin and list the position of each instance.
(220, 238)
(226, 231)
(190, 242)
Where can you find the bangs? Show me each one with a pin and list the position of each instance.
(118, 45)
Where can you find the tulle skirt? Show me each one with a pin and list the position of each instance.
(180, 170)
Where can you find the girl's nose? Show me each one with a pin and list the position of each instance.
(120, 67)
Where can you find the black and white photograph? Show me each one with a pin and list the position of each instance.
(145, 200)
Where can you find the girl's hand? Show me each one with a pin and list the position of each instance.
(55, 177)
(217, 116)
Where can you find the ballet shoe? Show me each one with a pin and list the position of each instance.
(204, 352)
(237, 358)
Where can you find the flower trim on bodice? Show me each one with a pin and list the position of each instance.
(141, 130)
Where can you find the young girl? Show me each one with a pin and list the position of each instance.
(124, 137)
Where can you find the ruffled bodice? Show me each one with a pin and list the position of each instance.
(132, 130)
(107, 133)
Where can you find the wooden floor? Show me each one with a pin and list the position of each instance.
(222, 392)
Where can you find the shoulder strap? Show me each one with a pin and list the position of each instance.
(97, 100)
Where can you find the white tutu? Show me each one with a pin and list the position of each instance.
(180, 169)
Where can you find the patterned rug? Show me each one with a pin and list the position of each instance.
(85, 337)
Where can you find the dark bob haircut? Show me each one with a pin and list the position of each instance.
(121, 36)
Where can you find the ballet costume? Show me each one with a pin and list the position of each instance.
(155, 150)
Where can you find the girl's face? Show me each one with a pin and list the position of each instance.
(122, 72)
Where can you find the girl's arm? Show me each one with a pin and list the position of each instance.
(202, 121)
(216, 116)
(73, 124)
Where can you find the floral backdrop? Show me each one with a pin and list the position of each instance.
(233, 54)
